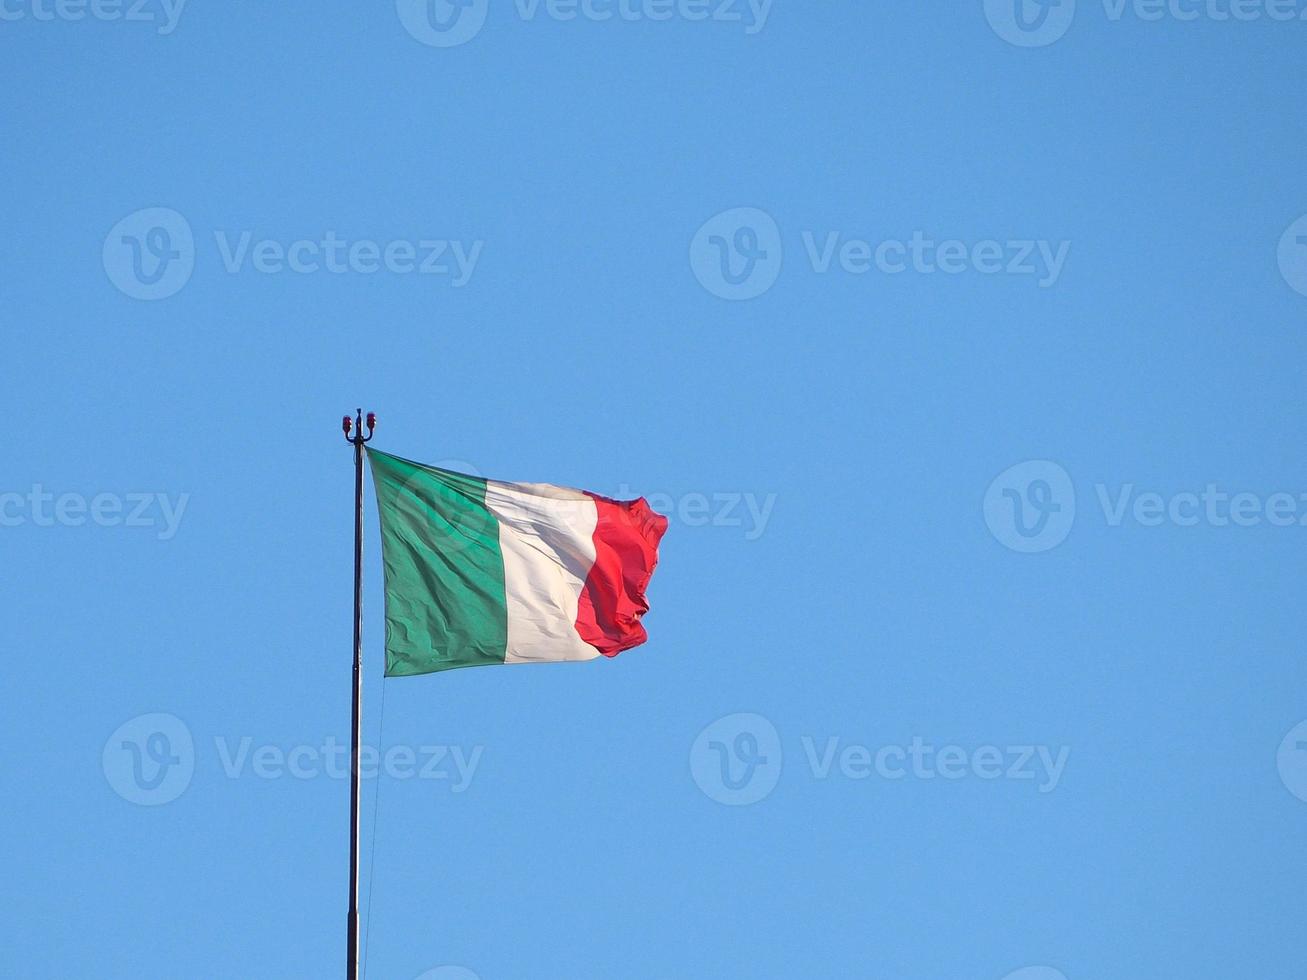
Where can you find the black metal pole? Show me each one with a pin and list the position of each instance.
(352, 927)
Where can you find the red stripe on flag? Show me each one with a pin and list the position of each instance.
(612, 601)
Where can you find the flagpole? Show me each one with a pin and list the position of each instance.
(352, 925)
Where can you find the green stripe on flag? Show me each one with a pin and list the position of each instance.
(445, 604)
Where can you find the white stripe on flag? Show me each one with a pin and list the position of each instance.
(546, 536)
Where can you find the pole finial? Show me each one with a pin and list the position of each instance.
(353, 427)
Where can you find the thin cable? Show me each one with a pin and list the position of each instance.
(372, 846)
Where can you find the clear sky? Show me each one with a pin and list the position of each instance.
(947, 338)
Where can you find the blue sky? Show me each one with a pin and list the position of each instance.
(963, 347)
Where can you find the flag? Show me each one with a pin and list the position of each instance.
(486, 572)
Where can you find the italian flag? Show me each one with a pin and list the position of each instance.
(486, 572)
